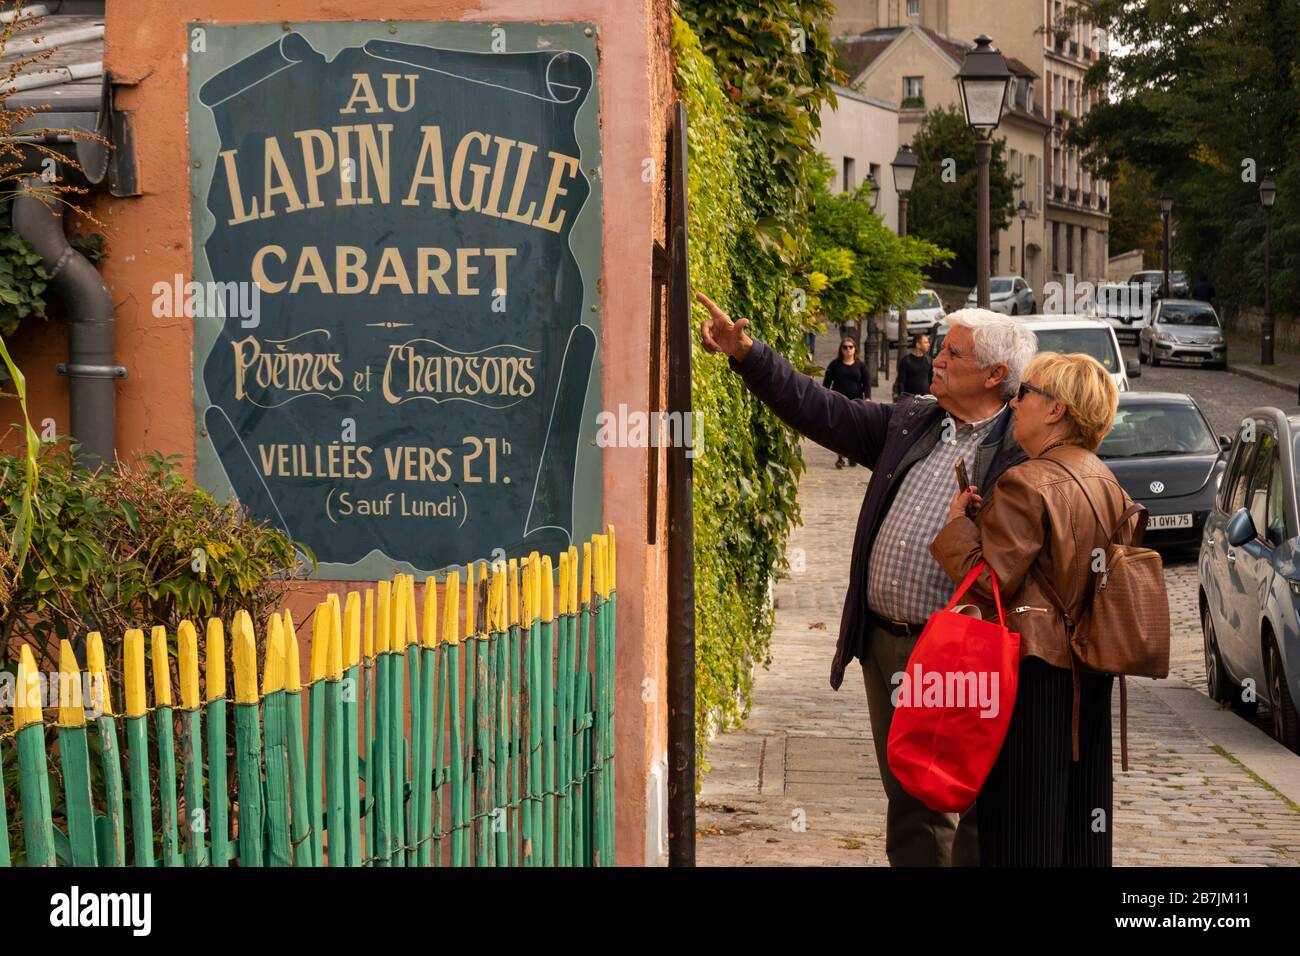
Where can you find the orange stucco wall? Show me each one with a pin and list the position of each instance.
(150, 240)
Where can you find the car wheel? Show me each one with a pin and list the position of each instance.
(1014, 311)
(1217, 685)
(1155, 362)
(1286, 724)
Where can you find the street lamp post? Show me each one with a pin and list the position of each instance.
(871, 337)
(1166, 205)
(904, 169)
(1267, 193)
(1023, 212)
(982, 81)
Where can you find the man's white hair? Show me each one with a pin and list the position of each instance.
(999, 340)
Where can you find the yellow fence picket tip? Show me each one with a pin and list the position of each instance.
(564, 583)
(187, 659)
(334, 659)
(547, 584)
(430, 635)
(292, 657)
(535, 582)
(133, 672)
(412, 622)
(214, 659)
(451, 608)
(525, 592)
(397, 639)
(320, 642)
(162, 670)
(383, 620)
(273, 664)
(27, 702)
(243, 650)
(573, 579)
(336, 618)
(469, 601)
(601, 566)
(610, 576)
(370, 624)
(512, 572)
(587, 552)
(352, 630)
(98, 673)
(71, 711)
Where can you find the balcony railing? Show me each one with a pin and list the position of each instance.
(1074, 194)
(1058, 191)
(1102, 202)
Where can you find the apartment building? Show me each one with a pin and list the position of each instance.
(885, 53)
(860, 138)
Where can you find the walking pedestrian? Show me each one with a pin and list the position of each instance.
(915, 369)
(847, 374)
(911, 447)
(1038, 533)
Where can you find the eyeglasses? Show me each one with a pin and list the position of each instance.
(846, 348)
(1025, 387)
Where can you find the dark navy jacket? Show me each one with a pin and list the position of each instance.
(888, 439)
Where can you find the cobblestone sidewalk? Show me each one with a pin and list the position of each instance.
(798, 784)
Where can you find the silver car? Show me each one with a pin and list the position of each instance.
(1184, 332)
(1010, 295)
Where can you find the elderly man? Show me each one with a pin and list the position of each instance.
(912, 448)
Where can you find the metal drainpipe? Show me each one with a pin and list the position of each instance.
(90, 368)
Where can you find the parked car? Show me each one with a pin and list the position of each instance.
(1069, 333)
(1126, 307)
(1249, 592)
(1164, 452)
(925, 312)
(1184, 331)
(1155, 278)
(1010, 295)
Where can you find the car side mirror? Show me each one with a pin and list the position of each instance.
(1134, 368)
(1224, 442)
(1241, 528)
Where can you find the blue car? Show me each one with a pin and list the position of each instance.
(1249, 575)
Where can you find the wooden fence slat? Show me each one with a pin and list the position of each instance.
(162, 698)
(214, 665)
(195, 822)
(396, 718)
(423, 757)
(584, 693)
(451, 634)
(334, 826)
(248, 742)
(137, 752)
(5, 859)
(548, 709)
(299, 818)
(320, 629)
(351, 728)
(367, 708)
(74, 758)
(276, 749)
(33, 772)
(512, 656)
(379, 745)
(562, 707)
(500, 681)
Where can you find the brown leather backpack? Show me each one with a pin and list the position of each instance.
(1123, 625)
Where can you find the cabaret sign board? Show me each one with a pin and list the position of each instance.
(395, 305)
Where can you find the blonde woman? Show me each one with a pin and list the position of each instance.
(1040, 807)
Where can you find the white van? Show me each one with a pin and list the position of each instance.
(1071, 333)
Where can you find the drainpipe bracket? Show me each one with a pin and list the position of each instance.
(90, 371)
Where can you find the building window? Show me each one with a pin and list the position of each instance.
(1056, 247)
(913, 8)
(913, 91)
(1069, 248)
(1083, 251)
(847, 183)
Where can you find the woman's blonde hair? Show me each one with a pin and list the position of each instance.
(1084, 387)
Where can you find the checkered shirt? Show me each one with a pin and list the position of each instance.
(904, 581)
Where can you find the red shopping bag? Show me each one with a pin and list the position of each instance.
(953, 705)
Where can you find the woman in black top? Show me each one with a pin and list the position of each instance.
(915, 369)
(848, 376)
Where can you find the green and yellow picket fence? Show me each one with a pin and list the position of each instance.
(429, 740)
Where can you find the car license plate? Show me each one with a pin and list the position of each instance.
(1194, 359)
(1165, 522)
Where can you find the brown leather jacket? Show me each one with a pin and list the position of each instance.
(1037, 524)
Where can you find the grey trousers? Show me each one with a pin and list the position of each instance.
(914, 834)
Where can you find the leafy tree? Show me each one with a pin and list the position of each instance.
(1205, 101)
(1135, 213)
(945, 212)
(858, 264)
